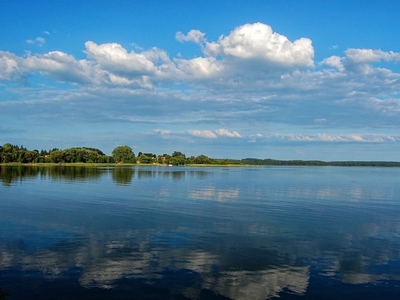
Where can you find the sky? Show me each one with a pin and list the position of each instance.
(274, 79)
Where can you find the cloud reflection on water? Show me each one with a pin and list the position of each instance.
(212, 193)
(105, 264)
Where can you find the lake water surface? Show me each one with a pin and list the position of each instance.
(199, 233)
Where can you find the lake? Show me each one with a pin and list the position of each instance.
(199, 233)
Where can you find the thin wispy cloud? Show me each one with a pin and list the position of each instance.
(162, 131)
(208, 134)
(334, 138)
(39, 41)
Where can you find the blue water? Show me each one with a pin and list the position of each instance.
(199, 233)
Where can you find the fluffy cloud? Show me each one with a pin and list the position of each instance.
(11, 67)
(258, 41)
(56, 64)
(244, 53)
(334, 61)
(120, 67)
(360, 60)
(199, 68)
(193, 35)
(370, 55)
(110, 63)
(115, 59)
(60, 65)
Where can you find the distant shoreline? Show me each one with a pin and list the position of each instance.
(124, 156)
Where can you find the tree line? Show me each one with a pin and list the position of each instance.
(19, 154)
(124, 155)
(120, 155)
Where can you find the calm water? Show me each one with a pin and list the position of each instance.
(200, 233)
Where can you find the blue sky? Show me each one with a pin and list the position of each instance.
(267, 79)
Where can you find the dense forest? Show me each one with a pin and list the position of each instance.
(124, 155)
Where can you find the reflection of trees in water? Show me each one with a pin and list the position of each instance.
(199, 174)
(172, 174)
(175, 174)
(153, 173)
(159, 173)
(75, 173)
(120, 175)
(178, 175)
(146, 173)
(163, 172)
(123, 176)
(10, 174)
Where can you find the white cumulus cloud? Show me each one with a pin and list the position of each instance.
(232, 60)
(113, 58)
(11, 67)
(370, 55)
(258, 41)
(60, 65)
(359, 61)
(334, 61)
(199, 67)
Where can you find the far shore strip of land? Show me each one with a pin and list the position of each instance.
(237, 163)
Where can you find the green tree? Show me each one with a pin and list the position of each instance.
(123, 154)
(145, 158)
(31, 156)
(202, 159)
(177, 158)
(190, 159)
(10, 153)
(56, 156)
